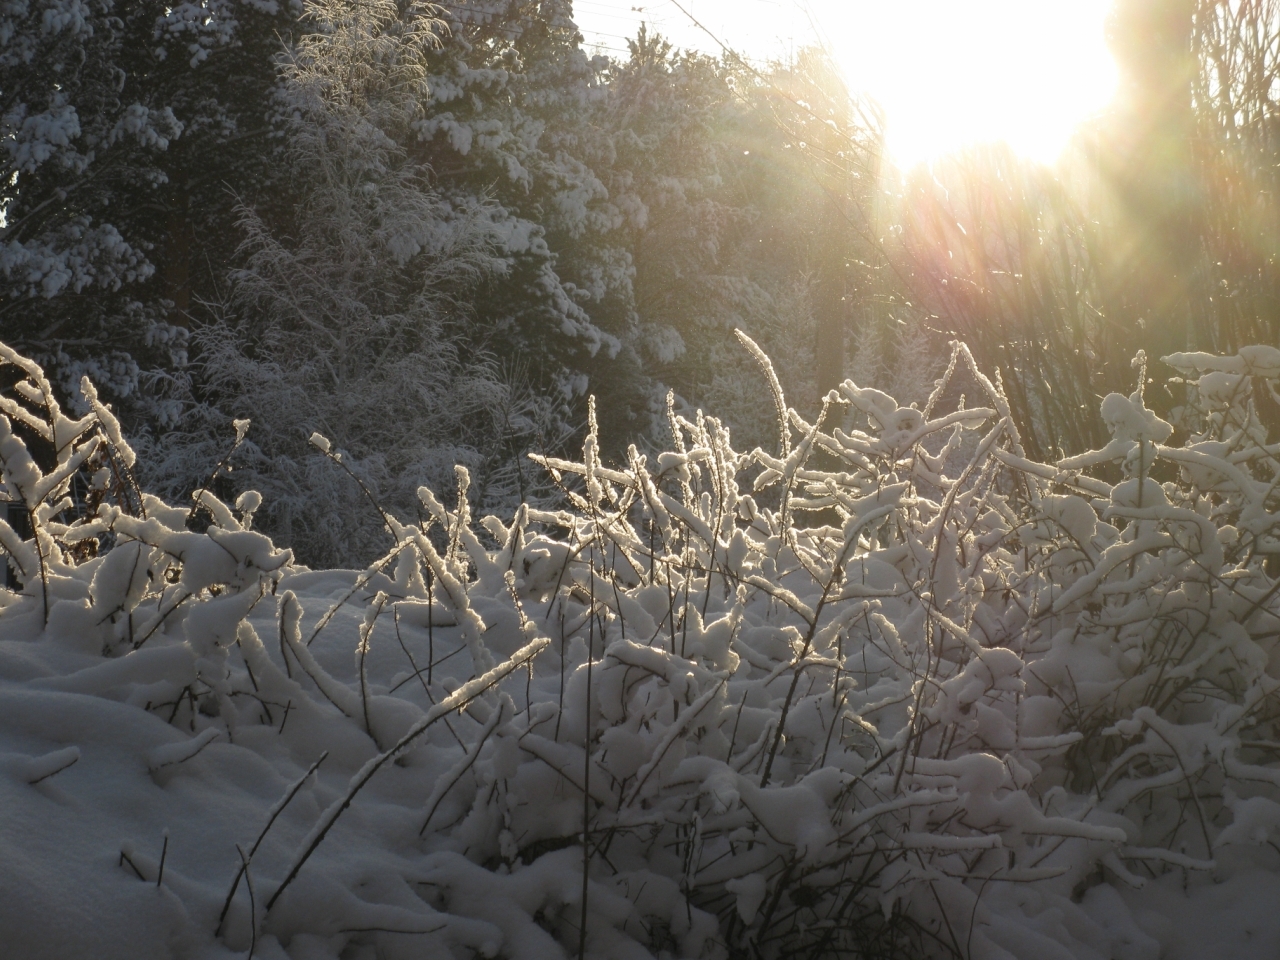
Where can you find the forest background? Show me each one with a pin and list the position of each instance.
(429, 232)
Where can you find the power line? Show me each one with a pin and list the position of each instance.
(680, 27)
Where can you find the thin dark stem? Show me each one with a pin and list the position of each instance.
(164, 855)
(276, 811)
(253, 903)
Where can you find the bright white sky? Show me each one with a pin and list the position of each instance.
(947, 72)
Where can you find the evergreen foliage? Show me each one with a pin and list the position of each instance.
(122, 125)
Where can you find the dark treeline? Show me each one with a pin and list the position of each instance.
(430, 232)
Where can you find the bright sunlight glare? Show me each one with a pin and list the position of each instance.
(948, 73)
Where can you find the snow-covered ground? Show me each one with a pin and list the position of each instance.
(889, 687)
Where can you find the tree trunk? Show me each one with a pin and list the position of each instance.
(177, 257)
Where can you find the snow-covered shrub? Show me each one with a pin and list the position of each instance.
(880, 689)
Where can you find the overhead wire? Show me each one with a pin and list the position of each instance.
(651, 15)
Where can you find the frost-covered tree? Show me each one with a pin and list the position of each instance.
(665, 116)
(749, 188)
(121, 125)
(351, 320)
(513, 116)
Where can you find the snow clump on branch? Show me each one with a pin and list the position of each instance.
(896, 685)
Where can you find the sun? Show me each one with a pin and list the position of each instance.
(949, 73)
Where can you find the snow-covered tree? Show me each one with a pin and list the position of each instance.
(748, 189)
(513, 117)
(351, 321)
(95, 191)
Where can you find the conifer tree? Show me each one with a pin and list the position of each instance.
(123, 126)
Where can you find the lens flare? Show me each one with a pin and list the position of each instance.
(954, 72)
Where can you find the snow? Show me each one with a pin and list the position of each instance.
(938, 696)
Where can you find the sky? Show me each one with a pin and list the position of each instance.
(947, 72)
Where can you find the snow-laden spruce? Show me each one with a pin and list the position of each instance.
(890, 686)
